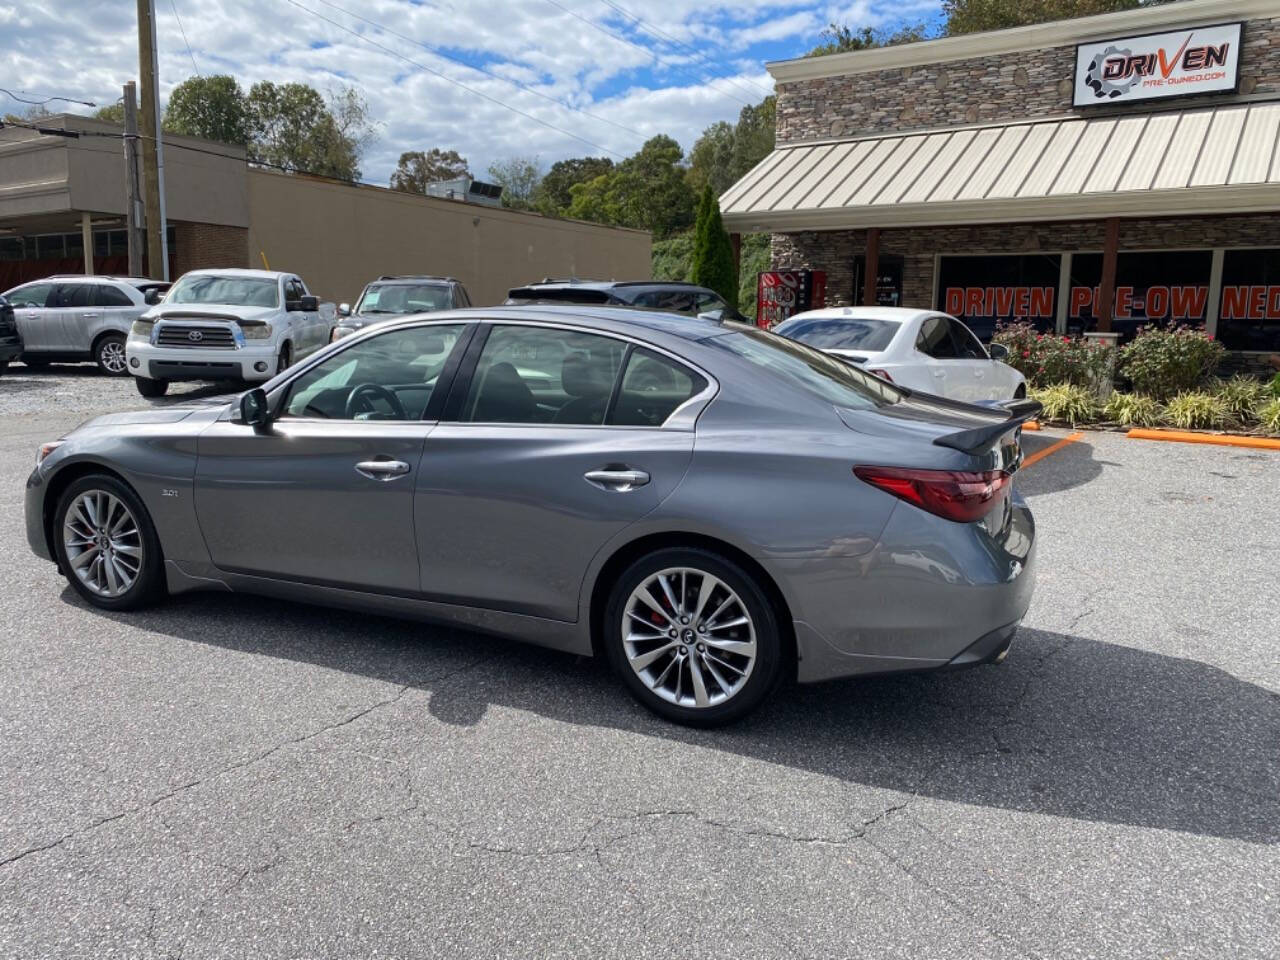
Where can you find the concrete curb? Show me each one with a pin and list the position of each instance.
(1221, 440)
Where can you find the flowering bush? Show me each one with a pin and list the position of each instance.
(1045, 358)
(1163, 361)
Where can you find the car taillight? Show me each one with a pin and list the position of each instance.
(952, 494)
(882, 374)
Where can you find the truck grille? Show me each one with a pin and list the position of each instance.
(195, 335)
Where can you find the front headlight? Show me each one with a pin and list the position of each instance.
(46, 449)
(339, 333)
(142, 329)
(256, 331)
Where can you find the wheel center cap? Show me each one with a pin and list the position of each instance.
(688, 635)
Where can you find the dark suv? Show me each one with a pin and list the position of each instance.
(669, 295)
(10, 339)
(393, 296)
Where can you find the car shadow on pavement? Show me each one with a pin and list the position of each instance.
(1067, 726)
(1070, 466)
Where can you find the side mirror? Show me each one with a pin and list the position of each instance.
(309, 303)
(998, 351)
(344, 309)
(253, 408)
(153, 296)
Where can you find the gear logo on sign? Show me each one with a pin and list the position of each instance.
(1109, 89)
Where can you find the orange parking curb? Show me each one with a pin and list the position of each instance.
(1222, 440)
(1041, 454)
(1031, 425)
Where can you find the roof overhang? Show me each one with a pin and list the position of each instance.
(1214, 160)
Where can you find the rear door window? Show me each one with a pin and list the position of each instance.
(108, 296)
(935, 339)
(652, 389)
(73, 295)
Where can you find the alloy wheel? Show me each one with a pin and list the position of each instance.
(111, 356)
(103, 543)
(689, 637)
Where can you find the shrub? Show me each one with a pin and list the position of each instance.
(1067, 401)
(1134, 410)
(1275, 385)
(1162, 361)
(1269, 417)
(1194, 409)
(1045, 358)
(1242, 396)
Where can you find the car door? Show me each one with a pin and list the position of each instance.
(936, 359)
(30, 308)
(975, 376)
(118, 309)
(72, 316)
(553, 441)
(325, 494)
(310, 319)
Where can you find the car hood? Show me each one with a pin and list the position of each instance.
(200, 412)
(213, 311)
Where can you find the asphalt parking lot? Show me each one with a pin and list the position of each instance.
(230, 777)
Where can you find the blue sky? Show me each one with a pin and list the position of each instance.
(586, 76)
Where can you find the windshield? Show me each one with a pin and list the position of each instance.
(832, 380)
(405, 298)
(230, 291)
(841, 333)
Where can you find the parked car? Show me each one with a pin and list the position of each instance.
(669, 295)
(918, 349)
(396, 296)
(76, 318)
(10, 338)
(825, 523)
(241, 325)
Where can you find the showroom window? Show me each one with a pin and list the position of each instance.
(1152, 287)
(988, 290)
(1249, 310)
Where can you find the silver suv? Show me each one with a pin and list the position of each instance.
(74, 318)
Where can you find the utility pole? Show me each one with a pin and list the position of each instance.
(152, 150)
(133, 216)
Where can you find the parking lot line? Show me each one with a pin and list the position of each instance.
(1041, 454)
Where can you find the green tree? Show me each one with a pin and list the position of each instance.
(291, 126)
(713, 254)
(968, 16)
(552, 194)
(416, 169)
(841, 38)
(112, 113)
(647, 190)
(212, 107)
(519, 178)
(725, 151)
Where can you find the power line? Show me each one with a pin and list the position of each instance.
(680, 43)
(457, 83)
(41, 103)
(182, 29)
(657, 58)
(488, 73)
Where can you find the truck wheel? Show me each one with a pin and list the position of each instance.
(151, 388)
(285, 358)
(108, 353)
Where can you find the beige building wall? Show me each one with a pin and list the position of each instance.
(338, 237)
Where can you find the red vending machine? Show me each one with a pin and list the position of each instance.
(784, 293)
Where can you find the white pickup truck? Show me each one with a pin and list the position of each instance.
(242, 325)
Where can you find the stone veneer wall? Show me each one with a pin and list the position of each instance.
(1037, 83)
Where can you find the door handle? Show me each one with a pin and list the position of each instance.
(382, 469)
(979, 374)
(620, 480)
(939, 373)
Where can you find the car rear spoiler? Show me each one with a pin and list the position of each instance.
(980, 438)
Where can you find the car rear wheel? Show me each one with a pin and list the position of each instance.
(151, 388)
(106, 544)
(108, 353)
(693, 636)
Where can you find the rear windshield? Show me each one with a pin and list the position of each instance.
(559, 295)
(841, 333)
(405, 298)
(823, 375)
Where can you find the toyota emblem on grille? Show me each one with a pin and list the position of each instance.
(195, 336)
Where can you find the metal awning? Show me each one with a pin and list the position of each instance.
(1221, 159)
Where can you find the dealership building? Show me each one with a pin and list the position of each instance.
(1092, 174)
(63, 198)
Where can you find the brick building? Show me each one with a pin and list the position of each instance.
(1098, 173)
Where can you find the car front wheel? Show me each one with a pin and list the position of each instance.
(151, 388)
(693, 636)
(109, 355)
(106, 545)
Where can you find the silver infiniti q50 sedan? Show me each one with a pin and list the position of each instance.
(707, 505)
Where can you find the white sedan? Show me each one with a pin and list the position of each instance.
(919, 349)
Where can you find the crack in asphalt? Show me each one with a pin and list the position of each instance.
(231, 768)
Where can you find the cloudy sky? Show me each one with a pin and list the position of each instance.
(587, 76)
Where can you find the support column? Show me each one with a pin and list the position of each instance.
(86, 236)
(1215, 293)
(871, 267)
(1104, 309)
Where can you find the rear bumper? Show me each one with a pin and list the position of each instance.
(931, 595)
